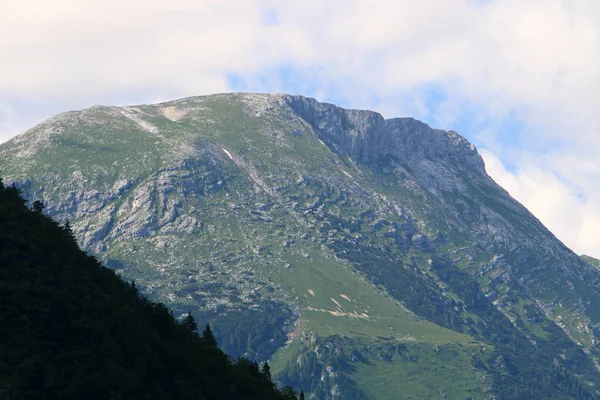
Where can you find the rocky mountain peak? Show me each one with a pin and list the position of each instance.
(366, 136)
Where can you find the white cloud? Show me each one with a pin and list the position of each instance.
(536, 61)
(572, 216)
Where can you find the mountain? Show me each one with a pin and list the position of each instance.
(72, 329)
(590, 260)
(365, 258)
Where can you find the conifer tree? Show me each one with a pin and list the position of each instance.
(208, 336)
(190, 323)
(67, 228)
(301, 395)
(38, 207)
(266, 372)
(254, 368)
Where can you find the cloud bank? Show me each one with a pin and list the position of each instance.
(519, 79)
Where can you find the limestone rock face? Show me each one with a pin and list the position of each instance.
(347, 249)
(366, 136)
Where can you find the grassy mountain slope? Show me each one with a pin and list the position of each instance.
(366, 258)
(590, 260)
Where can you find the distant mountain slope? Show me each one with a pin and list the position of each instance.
(366, 258)
(590, 260)
(71, 329)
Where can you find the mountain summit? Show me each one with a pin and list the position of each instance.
(365, 258)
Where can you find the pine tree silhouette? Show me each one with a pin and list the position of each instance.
(67, 228)
(266, 372)
(208, 336)
(190, 323)
(38, 207)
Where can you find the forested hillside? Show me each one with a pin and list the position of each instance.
(72, 329)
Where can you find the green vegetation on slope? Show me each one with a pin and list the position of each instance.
(591, 260)
(72, 329)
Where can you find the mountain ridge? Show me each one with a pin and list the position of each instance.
(591, 260)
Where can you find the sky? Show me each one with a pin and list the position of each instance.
(519, 79)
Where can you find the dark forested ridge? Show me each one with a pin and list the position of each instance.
(72, 329)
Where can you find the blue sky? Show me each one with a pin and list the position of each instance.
(519, 79)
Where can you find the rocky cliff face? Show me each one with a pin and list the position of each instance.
(366, 136)
(354, 252)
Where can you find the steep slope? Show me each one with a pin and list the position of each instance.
(71, 329)
(365, 257)
(590, 260)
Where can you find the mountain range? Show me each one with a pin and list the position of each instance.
(363, 257)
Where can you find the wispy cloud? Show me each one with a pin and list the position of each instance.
(520, 79)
